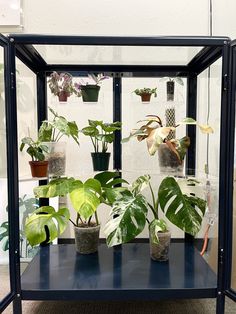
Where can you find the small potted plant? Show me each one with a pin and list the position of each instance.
(50, 133)
(101, 134)
(172, 152)
(146, 93)
(170, 86)
(61, 85)
(37, 151)
(89, 88)
(128, 216)
(85, 198)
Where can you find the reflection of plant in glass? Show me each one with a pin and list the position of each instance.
(93, 79)
(26, 207)
(101, 133)
(146, 90)
(129, 212)
(54, 130)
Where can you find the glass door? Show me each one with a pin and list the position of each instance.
(6, 294)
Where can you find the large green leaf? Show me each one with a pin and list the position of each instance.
(186, 212)
(109, 179)
(85, 198)
(44, 219)
(56, 187)
(129, 221)
(45, 132)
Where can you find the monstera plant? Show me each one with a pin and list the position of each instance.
(128, 216)
(46, 223)
(172, 152)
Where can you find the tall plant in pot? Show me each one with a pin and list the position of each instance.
(85, 198)
(61, 85)
(51, 133)
(128, 216)
(101, 134)
(37, 151)
(172, 152)
(89, 88)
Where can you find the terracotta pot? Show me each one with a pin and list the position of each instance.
(86, 238)
(63, 96)
(160, 251)
(146, 97)
(39, 169)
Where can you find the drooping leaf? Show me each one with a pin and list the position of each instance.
(156, 138)
(207, 129)
(130, 218)
(42, 218)
(85, 198)
(186, 212)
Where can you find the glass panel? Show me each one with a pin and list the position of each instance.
(4, 248)
(67, 54)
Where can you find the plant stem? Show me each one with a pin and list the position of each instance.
(77, 219)
(148, 221)
(96, 218)
(153, 196)
(94, 146)
(153, 211)
(72, 222)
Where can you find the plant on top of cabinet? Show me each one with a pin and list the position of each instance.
(101, 134)
(85, 199)
(51, 132)
(61, 85)
(128, 216)
(171, 153)
(37, 151)
(89, 88)
(146, 93)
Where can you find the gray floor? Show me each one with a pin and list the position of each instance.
(202, 306)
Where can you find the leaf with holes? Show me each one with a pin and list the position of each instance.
(140, 184)
(43, 219)
(130, 218)
(186, 212)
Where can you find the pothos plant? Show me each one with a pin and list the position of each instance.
(46, 223)
(53, 130)
(146, 90)
(101, 134)
(155, 133)
(128, 216)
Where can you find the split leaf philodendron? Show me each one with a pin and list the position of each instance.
(184, 211)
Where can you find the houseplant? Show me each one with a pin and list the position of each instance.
(61, 85)
(146, 93)
(128, 216)
(101, 134)
(37, 151)
(50, 133)
(85, 199)
(89, 88)
(172, 152)
(170, 86)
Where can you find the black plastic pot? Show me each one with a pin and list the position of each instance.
(170, 90)
(90, 93)
(100, 161)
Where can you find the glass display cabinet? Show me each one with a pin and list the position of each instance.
(202, 69)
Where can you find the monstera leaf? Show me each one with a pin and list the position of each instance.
(56, 187)
(85, 198)
(109, 179)
(186, 212)
(4, 235)
(41, 226)
(130, 217)
(140, 184)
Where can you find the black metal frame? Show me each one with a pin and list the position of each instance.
(21, 45)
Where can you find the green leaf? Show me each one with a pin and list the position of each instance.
(140, 184)
(56, 187)
(85, 199)
(183, 211)
(157, 225)
(74, 131)
(179, 81)
(112, 195)
(90, 131)
(131, 215)
(109, 179)
(44, 217)
(45, 132)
